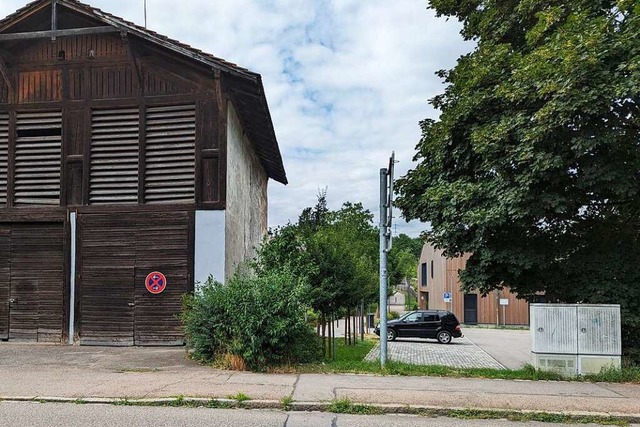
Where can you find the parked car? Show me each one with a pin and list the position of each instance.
(436, 324)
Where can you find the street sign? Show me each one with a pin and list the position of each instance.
(155, 282)
(447, 296)
(504, 301)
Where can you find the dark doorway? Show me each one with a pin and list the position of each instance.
(470, 309)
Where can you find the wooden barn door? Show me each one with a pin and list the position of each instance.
(117, 252)
(5, 280)
(162, 245)
(32, 282)
(107, 265)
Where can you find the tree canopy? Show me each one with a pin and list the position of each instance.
(403, 258)
(534, 163)
(335, 252)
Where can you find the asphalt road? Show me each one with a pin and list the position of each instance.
(22, 414)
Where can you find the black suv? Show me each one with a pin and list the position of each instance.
(438, 324)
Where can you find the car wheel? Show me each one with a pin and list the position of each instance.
(391, 335)
(444, 337)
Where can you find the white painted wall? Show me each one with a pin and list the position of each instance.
(246, 207)
(209, 257)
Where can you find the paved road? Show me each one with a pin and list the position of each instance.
(510, 347)
(461, 353)
(73, 415)
(480, 348)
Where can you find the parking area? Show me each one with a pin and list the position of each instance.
(480, 348)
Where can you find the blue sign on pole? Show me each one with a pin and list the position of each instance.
(447, 297)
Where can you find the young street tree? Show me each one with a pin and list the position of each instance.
(534, 163)
(334, 252)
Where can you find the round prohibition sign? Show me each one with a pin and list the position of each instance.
(156, 282)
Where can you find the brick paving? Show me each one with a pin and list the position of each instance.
(461, 353)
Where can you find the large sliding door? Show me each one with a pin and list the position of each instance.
(117, 252)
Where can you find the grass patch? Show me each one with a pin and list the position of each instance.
(350, 359)
(473, 414)
(346, 406)
(628, 374)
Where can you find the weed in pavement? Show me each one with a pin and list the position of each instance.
(240, 397)
(286, 402)
(346, 406)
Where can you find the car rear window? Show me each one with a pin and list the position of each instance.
(431, 317)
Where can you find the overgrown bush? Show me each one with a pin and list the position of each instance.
(393, 315)
(250, 321)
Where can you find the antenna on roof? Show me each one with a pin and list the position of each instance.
(54, 18)
(145, 13)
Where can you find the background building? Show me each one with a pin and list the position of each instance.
(438, 275)
(122, 153)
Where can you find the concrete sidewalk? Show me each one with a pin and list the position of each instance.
(39, 372)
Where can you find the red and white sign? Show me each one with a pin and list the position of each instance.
(156, 282)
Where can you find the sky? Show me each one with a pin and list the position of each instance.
(347, 82)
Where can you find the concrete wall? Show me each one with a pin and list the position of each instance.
(209, 257)
(246, 210)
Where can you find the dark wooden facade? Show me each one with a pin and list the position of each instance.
(126, 130)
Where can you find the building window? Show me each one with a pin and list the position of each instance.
(423, 275)
(432, 269)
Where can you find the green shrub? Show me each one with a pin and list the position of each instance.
(251, 322)
(393, 315)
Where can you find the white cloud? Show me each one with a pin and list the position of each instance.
(347, 81)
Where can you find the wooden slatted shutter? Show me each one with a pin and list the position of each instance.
(4, 156)
(38, 158)
(170, 154)
(114, 156)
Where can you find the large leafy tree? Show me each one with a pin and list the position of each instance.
(534, 163)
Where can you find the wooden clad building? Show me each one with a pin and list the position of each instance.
(438, 275)
(122, 153)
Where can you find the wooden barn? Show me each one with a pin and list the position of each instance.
(132, 167)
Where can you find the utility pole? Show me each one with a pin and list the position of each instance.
(386, 219)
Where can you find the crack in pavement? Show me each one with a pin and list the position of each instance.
(295, 385)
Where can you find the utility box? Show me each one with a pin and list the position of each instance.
(575, 338)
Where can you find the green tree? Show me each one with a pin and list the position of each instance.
(412, 245)
(334, 252)
(534, 163)
(403, 259)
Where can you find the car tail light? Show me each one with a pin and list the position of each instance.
(458, 328)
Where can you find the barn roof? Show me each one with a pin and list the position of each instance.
(246, 85)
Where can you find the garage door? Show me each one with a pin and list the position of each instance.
(117, 252)
(31, 282)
